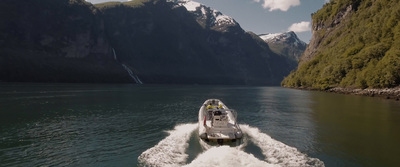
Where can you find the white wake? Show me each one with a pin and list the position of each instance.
(277, 152)
(227, 156)
(171, 151)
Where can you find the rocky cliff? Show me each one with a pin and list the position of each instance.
(154, 41)
(355, 44)
(55, 41)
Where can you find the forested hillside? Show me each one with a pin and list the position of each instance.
(355, 44)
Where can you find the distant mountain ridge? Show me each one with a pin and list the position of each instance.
(287, 44)
(151, 41)
(287, 37)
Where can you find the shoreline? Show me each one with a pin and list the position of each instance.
(387, 93)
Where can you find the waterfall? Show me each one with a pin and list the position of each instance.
(115, 55)
(133, 76)
(127, 69)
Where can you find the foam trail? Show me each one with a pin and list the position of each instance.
(278, 153)
(227, 156)
(171, 150)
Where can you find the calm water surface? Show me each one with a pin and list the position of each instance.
(144, 125)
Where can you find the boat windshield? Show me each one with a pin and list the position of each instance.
(218, 112)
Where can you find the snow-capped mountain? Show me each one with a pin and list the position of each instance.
(286, 37)
(286, 43)
(206, 16)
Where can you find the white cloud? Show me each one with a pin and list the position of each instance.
(282, 5)
(300, 27)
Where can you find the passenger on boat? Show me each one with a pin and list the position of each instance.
(210, 107)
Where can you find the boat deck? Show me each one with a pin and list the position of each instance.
(217, 122)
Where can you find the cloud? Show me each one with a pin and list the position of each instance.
(282, 5)
(300, 27)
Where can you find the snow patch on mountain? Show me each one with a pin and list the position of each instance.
(205, 12)
(270, 36)
(288, 37)
(189, 5)
(222, 19)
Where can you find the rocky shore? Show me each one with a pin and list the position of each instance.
(388, 93)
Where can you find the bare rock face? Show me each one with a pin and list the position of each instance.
(321, 30)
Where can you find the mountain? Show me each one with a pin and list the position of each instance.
(209, 18)
(142, 41)
(55, 41)
(355, 44)
(287, 44)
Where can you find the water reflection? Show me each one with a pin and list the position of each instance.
(111, 125)
(285, 114)
(361, 130)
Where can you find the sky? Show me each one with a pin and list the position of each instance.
(266, 16)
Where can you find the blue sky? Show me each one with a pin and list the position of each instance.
(266, 16)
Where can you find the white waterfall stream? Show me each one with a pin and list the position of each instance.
(115, 55)
(133, 76)
(127, 69)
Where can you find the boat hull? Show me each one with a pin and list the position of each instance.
(217, 123)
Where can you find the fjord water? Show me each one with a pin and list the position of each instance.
(131, 125)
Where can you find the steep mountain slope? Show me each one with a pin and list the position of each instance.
(153, 41)
(286, 44)
(355, 44)
(54, 41)
(195, 43)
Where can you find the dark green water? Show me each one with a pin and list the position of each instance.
(130, 125)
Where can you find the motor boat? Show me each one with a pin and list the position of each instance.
(217, 123)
